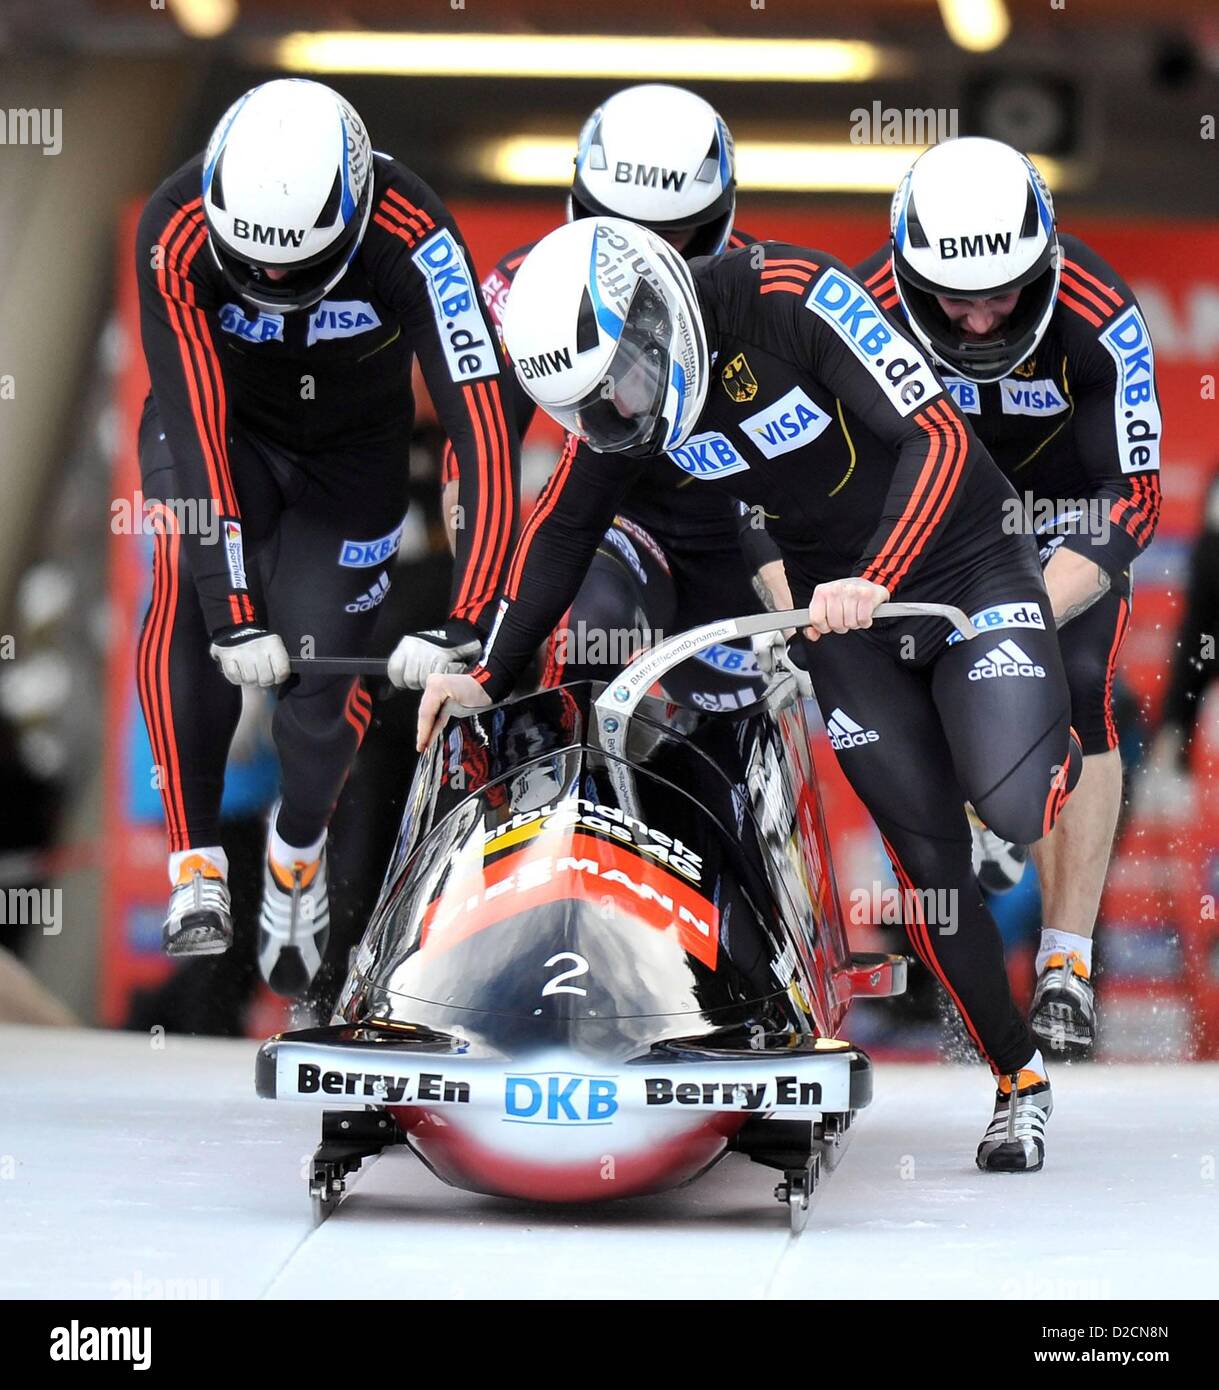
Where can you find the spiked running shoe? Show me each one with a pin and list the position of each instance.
(997, 863)
(294, 925)
(200, 917)
(1063, 1014)
(1014, 1141)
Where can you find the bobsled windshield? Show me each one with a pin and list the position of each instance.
(540, 885)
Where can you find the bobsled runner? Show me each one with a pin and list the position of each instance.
(607, 952)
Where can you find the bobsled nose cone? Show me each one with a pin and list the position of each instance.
(573, 1166)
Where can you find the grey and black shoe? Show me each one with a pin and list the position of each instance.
(200, 917)
(1063, 1013)
(1014, 1141)
(294, 925)
(998, 864)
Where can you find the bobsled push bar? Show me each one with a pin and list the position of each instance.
(375, 666)
(619, 700)
(651, 665)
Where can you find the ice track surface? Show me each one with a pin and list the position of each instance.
(124, 1169)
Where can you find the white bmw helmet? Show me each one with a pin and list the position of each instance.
(973, 219)
(605, 333)
(287, 183)
(661, 156)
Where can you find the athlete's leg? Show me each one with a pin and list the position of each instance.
(190, 709)
(323, 594)
(713, 582)
(1073, 859)
(887, 733)
(1003, 703)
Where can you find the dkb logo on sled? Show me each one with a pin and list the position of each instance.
(562, 1098)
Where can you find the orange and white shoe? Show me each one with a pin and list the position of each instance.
(1014, 1141)
(294, 925)
(200, 917)
(1063, 1013)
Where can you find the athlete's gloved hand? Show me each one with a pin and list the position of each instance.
(436, 652)
(770, 650)
(767, 647)
(250, 655)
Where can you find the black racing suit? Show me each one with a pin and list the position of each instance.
(670, 560)
(1076, 427)
(864, 466)
(276, 448)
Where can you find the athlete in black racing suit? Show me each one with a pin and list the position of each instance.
(865, 467)
(661, 157)
(670, 559)
(1076, 428)
(290, 431)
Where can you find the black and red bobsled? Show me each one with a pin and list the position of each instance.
(607, 952)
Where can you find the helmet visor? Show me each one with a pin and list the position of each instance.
(625, 409)
(1000, 352)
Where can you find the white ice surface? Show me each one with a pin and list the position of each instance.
(123, 1166)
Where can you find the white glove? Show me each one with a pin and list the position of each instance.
(251, 656)
(766, 649)
(770, 651)
(422, 654)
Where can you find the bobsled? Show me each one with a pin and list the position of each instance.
(607, 952)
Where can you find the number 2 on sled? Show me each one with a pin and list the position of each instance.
(556, 985)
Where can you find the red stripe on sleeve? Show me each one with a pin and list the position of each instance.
(184, 234)
(482, 447)
(877, 571)
(809, 267)
(420, 215)
(1077, 287)
(545, 505)
(394, 229)
(410, 228)
(953, 471)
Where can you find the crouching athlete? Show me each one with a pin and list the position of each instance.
(288, 277)
(874, 485)
(670, 558)
(1043, 345)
